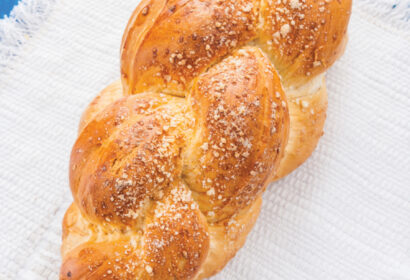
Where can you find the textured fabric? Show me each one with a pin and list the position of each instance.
(345, 214)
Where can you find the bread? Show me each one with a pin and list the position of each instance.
(216, 100)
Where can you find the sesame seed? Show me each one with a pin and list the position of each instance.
(145, 11)
(284, 30)
(317, 63)
(204, 146)
(148, 269)
(210, 192)
(305, 104)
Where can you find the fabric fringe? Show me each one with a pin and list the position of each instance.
(24, 20)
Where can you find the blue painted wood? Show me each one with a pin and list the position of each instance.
(6, 6)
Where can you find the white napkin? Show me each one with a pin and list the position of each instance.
(345, 214)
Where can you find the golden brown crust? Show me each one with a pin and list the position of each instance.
(307, 112)
(177, 240)
(168, 43)
(180, 39)
(127, 155)
(227, 237)
(172, 245)
(167, 187)
(90, 259)
(110, 94)
(303, 38)
(240, 133)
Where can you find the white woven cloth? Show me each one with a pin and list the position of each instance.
(345, 214)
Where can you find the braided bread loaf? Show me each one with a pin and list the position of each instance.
(217, 100)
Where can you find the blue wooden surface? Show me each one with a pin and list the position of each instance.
(6, 6)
